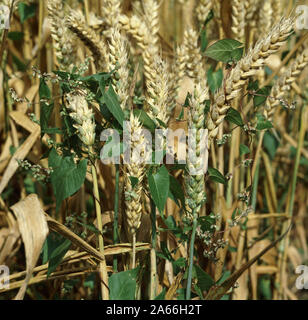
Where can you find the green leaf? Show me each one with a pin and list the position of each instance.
(216, 176)
(203, 36)
(46, 111)
(261, 96)
(19, 64)
(225, 50)
(26, 11)
(15, 35)
(270, 144)
(265, 287)
(214, 79)
(206, 223)
(134, 181)
(54, 249)
(262, 123)
(111, 100)
(67, 176)
(122, 285)
(159, 187)
(144, 119)
(176, 190)
(244, 149)
(162, 295)
(44, 90)
(205, 281)
(235, 117)
(204, 41)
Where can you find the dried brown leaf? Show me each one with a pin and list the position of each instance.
(33, 228)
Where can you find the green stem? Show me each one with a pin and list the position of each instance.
(153, 276)
(191, 257)
(116, 215)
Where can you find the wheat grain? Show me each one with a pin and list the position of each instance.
(283, 84)
(247, 67)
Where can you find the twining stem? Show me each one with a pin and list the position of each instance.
(191, 256)
(116, 215)
(153, 276)
(102, 265)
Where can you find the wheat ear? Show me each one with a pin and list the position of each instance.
(266, 16)
(151, 11)
(111, 12)
(194, 177)
(134, 169)
(176, 75)
(62, 42)
(83, 117)
(247, 67)
(137, 28)
(251, 6)
(277, 9)
(203, 9)
(284, 83)
(118, 59)
(75, 21)
(238, 20)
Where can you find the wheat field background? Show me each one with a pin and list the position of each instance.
(73, 227)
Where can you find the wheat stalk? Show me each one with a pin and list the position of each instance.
(284, 83)
(247, 67)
